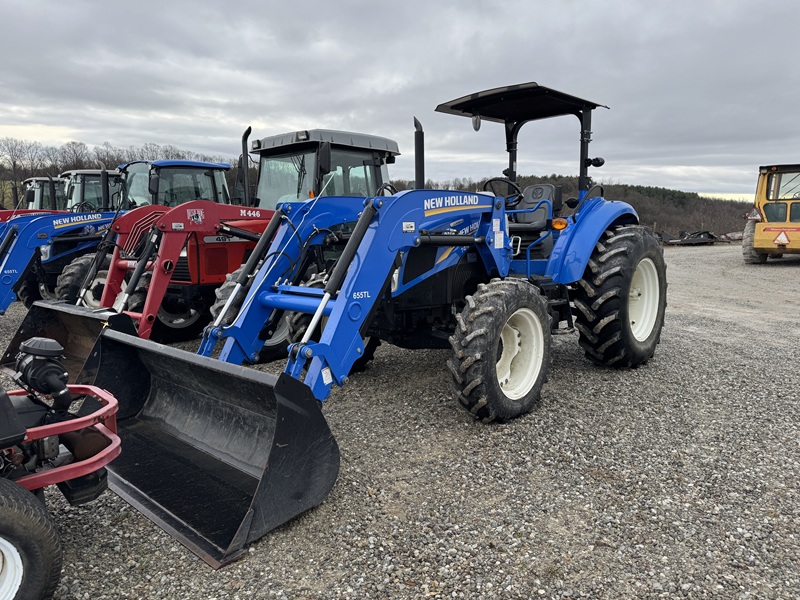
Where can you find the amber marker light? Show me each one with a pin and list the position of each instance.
(559, 223)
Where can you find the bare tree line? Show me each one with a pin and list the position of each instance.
(663, 209)
(20, 159)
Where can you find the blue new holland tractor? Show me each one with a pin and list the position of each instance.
(488, 274)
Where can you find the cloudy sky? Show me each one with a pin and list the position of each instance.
(700, 92)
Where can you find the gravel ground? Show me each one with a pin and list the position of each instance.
(678, 479)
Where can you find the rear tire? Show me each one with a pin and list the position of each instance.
(30, 547)
(621, 299)
(501, 350)
(176, 320)
(71, 280)
(749, 254)
(276, 347)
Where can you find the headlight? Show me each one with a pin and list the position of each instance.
(395, 280)
(45, 252)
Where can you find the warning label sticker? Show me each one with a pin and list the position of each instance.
(782, 239)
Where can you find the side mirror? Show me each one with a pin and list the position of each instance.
(152, 185)
(104, 189)
(324, 158)
(597, 161)
(30, 197)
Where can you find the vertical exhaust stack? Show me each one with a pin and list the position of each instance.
(245, 166)
(419, 155)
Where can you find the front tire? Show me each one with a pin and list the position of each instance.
(276, 346)
(30, 547)
(621, 299)
(176, 319)
(69, 283)
(28, 292)
(749, 254)
(501, 350)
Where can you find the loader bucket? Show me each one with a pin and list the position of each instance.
(76, 328)
(216, 454)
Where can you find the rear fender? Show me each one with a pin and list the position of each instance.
(575, 245)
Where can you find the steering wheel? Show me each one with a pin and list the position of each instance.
(83, 206)
(386, 187)
(513, 199)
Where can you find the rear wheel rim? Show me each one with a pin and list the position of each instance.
(521, 352)
(643, 300)
(11, 570)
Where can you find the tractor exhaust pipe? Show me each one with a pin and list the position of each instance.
(419, 155)
(245, 167)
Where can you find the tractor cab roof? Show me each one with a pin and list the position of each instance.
(518, 104)
(277, 143)
(166, 163)
(40, 178)
(779, 168)
(71, 172)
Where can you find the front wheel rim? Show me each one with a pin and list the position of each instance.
(94, 294)
(11, 570)
(643, 300)
(520, 360)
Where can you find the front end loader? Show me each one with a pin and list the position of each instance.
(248, 451)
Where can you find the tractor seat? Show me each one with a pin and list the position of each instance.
(536, 220)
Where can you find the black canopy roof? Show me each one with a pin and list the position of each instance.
(517, 104)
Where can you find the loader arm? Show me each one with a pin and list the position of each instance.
(196, 224)
(385, 227)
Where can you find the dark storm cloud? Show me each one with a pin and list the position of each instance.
(700, 92)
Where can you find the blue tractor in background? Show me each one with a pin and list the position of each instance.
(487, 274)
(36, 249)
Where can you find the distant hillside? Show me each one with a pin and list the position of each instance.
(662, 209)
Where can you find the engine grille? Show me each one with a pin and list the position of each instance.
(181, 271)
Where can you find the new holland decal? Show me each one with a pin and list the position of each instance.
(445, 204)
(76, 219)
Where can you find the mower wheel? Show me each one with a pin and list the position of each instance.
(621, 299)
(501, 350)
(71, 280)
(749, 254)
(30, 547)
(176, 319)
(275, 347)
